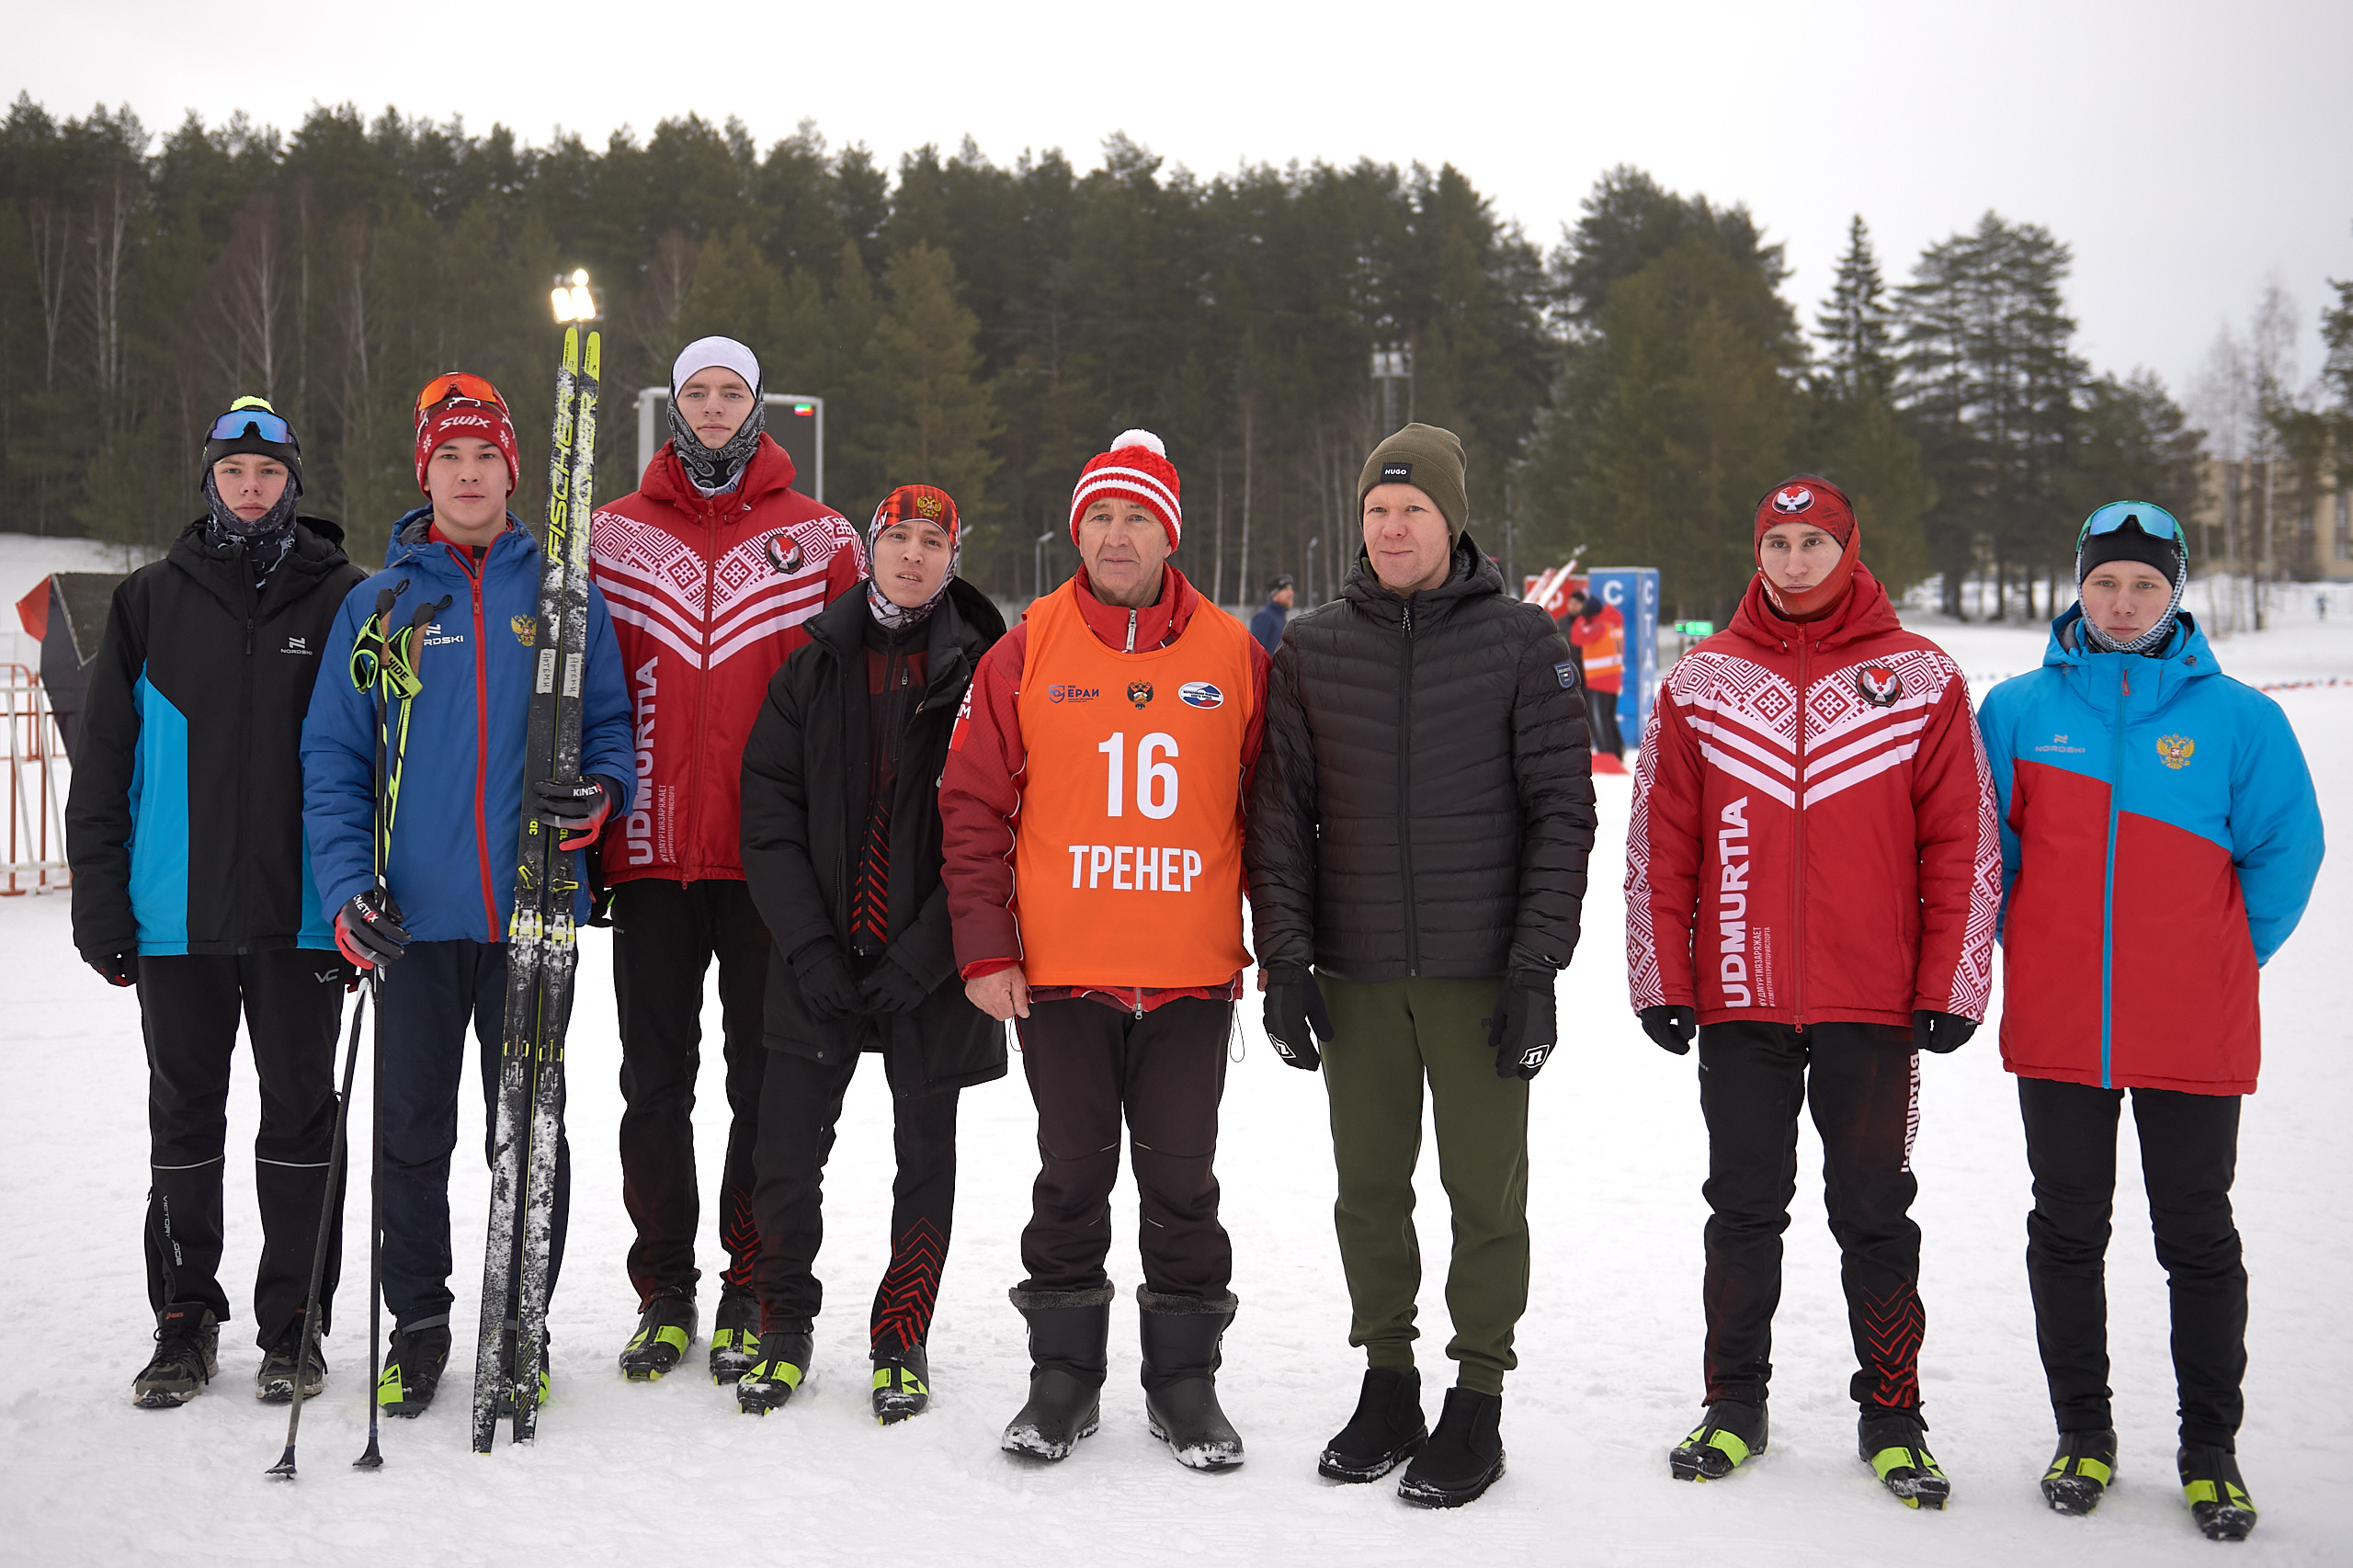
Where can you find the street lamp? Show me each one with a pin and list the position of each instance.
(571, 300)
(1392, 363)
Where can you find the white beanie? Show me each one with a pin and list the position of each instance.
(723, 352)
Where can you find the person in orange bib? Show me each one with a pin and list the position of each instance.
(1092, 808)
(1598, 631)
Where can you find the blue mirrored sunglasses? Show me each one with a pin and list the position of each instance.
(2155, 521)
(268, 427)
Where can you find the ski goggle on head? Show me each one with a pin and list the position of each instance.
(457, 384)
(2155, 521)
(269, 427)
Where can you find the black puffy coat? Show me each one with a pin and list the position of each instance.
(184, 823)
(1425, 799)
(806, 792)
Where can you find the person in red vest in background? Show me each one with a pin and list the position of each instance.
(1598, 631)
(1099, 767)
(713, 567)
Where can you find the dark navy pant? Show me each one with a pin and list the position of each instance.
(430, 994)
(190, 1007)
(2189, 1148)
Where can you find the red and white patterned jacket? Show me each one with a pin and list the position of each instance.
(708, 594)
(1814, 833)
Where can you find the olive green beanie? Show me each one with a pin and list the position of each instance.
(1428, 458)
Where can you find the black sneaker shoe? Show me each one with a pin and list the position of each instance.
(1894, 1444)
(664, 1332)
(274, 1384)
(187, 1352)
(2215, 1491)
(1463, 1457)
(901, 1384)
(2080, 1471)
(1386, 1430)
(735, 1335)
(412, 1370)
(1728, 1435)
(783, 1367)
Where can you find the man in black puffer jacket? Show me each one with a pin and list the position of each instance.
(1418, 839)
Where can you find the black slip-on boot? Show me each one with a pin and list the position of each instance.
(1069, 1334)
(1181, 1335)
(1387, 1429)
(1463, 1457)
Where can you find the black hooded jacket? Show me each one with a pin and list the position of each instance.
(185, 820)
(806, 788)
(1425, 800)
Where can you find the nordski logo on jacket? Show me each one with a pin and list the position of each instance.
(1731, 909)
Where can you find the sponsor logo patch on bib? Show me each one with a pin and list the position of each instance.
(1199, 694)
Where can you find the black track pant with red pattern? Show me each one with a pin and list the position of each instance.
(1862, 1081)
(665, 936)
(801, 1100)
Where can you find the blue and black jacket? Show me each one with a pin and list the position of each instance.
(2160, 838)
(184, 823)
(463, 781)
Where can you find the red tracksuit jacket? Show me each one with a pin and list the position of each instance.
(709, 595)
(1813, 836)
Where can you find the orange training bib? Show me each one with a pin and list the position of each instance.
(1128, 850)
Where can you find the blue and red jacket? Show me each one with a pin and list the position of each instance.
(461, 812)
(2160, 838)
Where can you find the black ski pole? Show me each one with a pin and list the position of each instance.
(373, 1458)
(285, 1465)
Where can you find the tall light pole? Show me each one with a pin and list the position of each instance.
(1392, 363)
(571, 300)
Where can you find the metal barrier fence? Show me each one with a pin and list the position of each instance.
(37, 770)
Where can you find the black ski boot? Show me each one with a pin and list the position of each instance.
(735, 1335)
(1728, 1435)
(901, 1384)
(663, 1331)
(1386, 1430)
(187, 1352)
(1463, 1457)
(1894, 1444)
(2215, 1491)
(782, 1368)
(1181, 1335)
(512, 1379)
(1070, 1334)
(274, 1384)
(2080, 1471)
(412, 1370)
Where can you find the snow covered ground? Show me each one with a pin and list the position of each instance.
(1609, 1352)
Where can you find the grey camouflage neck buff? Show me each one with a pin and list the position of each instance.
(2152, 640)
(714, 471)
(264, 541)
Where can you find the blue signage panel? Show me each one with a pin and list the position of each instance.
(1633, 592)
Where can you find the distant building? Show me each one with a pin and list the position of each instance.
(2238, 499)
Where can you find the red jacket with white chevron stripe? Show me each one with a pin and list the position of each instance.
(1813, 837)
(709, 595)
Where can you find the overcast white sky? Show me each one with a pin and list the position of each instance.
(2188, 152)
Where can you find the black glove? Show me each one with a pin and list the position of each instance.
(579, 808)
(1940, 1032)
(1671, 1028)
(1294, 1007)
(115, 969)
(368, 929)
(1525, 1025)
(890, 989)
(828, 989)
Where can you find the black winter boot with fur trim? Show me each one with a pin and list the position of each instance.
(1070, 1333)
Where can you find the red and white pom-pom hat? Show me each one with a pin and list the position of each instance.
(1135, 468)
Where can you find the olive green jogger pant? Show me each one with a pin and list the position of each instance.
(1388, 1039)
